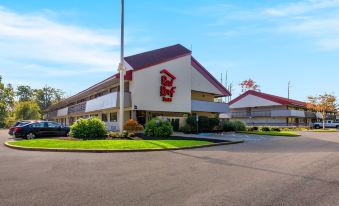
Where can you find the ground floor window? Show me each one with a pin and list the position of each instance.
(113, 117)
(104, 117)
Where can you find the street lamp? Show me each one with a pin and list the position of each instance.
(122, 71)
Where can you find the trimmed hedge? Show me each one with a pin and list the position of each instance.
(205, 124)
(92, 128)
(234, 126)
(158, 128)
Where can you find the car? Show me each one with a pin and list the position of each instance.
(41, 129)
(328, 124)
(22, 122)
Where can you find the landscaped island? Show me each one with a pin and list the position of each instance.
(168, 143)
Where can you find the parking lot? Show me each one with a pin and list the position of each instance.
(270, 171)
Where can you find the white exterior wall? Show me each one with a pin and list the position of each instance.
(252, 101)
(103, 102)
(200, 83)
(145, 87)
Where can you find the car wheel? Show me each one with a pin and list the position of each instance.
(30, 135)
(66, 134)
(317, 127)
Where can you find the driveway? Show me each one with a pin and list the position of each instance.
(273, 171)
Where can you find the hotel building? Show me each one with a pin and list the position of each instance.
(257, 108)
(167, 82)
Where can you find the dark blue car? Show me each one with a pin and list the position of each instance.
(40, 129)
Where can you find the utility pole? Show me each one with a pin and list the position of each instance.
(289, 89)
(122, 71)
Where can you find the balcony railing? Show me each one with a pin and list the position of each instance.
(78, 108)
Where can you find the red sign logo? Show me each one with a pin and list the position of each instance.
(167, 89)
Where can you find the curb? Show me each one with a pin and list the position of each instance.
(114, 151)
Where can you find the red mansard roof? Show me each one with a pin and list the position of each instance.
(157, 56)
(273, 98)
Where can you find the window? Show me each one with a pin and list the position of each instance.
(53, 125)
(104, 117)
(38, 125)
(113, 117)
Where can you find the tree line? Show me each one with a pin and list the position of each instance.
(25, 102)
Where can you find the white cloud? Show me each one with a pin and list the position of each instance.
(35, 39)
(301, 7)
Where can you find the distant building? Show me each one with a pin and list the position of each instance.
(257, 108)
(166, 82)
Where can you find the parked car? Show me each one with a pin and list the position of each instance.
(328, 124)
(41, 129)
(22, 122)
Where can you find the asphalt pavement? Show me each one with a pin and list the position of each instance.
(273, 171)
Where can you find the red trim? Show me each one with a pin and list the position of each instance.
(273, 98)
(164, 71)
(209, 77)
(128, 75)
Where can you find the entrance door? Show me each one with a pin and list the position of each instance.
(141, 117)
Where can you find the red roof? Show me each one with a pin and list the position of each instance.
(157, 56)
(273, 98)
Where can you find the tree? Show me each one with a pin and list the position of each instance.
(24, 93)
(323, 104)
(26, 110)
(6, 102)
(47, 96)
(249, 84)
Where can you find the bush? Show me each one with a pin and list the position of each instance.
(175, 124)
(158, 128)
(133, 126)
(234, 126)
(214, 123)
(118, 135)
(186, 129)
(252, 129)
(265, 129)
(276, 129)
(92, 128)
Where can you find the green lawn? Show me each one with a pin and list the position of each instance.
(110, 144)
(273, 133)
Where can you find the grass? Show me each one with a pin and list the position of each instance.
(273, 133)
(110, 144)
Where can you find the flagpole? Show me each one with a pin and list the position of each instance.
(122, 72)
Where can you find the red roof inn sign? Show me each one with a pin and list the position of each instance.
(167, 89)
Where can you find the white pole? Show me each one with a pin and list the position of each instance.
(122, 72)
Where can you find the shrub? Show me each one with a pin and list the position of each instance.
(186, 129)
(205, 124)
(235, 125)
(158, 128)
(214, 123)
(118, 135)
(276, 129)
(92, 128)
(265, 129)
(133, 126)
(252, 129)
(175, 124)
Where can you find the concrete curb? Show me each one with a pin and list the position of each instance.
(114, 151)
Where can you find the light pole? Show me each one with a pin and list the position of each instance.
(122, 72)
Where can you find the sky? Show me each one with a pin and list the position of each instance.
(73, 44)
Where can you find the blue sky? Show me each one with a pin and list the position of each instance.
(74, 44)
